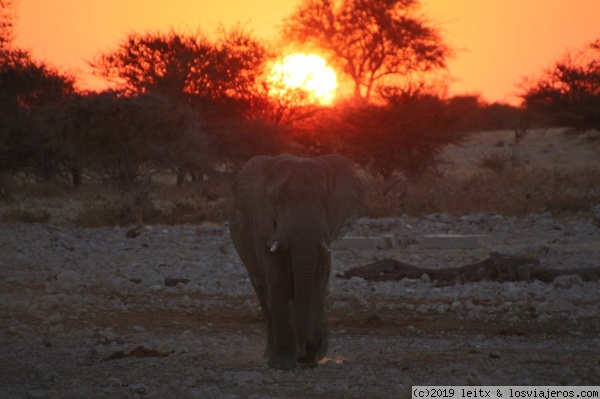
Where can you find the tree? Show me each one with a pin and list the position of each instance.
(568, 93)
(370, 41)
(186, 67)
(224, 78)
(6, 23)
(127, 140)
(404, 137)
(26, 87)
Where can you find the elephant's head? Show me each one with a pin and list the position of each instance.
(296, 207)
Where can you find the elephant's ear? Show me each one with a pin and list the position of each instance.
(345, 192)
(250, 195)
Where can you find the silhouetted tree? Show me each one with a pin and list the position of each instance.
(7, 17)
(499, 116)
(404, 137)
(370, 41)
(244, 59)
(26, 86)
(127, 140)
(224, 78)
(568, 93)
(186, 67)
(239, 140)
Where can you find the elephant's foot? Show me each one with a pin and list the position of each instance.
(307, 362)
(314, 353)
(282, 362)
(322, 348)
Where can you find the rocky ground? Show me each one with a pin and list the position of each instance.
(89, 313)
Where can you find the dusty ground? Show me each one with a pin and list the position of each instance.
(89, 313)
(544, 148)
(170, 314)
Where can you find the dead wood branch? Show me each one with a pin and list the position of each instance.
(496, 267)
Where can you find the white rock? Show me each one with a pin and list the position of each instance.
(341, 305)
(151, 277)
(441, 308)
(45, 372)
(69, 281)
(115, 382)
(243, 377)
(587, 313)
(137, 388)
(567, 280)
(545, 307)
(154, 288)
(423, 308)
(203, 393)
(36, 394)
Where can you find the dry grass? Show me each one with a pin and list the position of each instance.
(168, 205)
(25, 216)
(511, 191)
(122, 215)
(559, 176)
(507, 191)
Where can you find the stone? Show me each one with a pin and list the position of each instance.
(390, 241)
(361, 243)
(69, 280)
(151, 277)
(203, 393)
(341, 305)
(243, 377)
(139, 388)
(457, 241)
(567, 281)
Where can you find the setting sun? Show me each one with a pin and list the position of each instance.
(306, 72)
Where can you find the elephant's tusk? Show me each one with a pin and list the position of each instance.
(274, 247)
(325, 247)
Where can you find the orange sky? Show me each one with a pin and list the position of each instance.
(498, 41)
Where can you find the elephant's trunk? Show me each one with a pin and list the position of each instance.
(308, 268)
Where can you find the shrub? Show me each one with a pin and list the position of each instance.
(495, 161)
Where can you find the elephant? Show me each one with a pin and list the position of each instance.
(288, 209)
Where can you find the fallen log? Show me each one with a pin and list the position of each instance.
(496, 267)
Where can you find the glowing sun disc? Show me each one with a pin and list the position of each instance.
(307, 72)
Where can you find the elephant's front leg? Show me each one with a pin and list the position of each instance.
(279, 281)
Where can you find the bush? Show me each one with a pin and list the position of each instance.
(568, 92)
(405, 137)
(496, 161)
